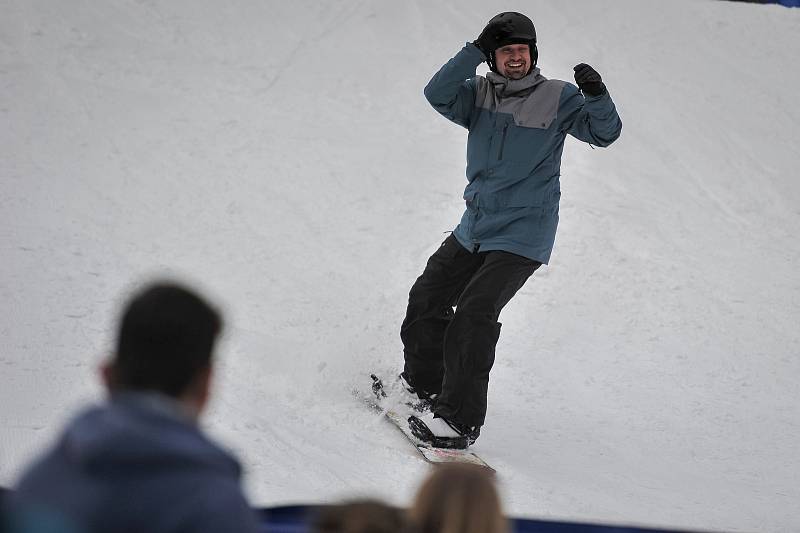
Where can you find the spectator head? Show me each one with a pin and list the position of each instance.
(165, 342)
(360, 516)
(458, 498)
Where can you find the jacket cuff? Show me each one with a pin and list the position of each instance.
(598, 97)
(474, 52)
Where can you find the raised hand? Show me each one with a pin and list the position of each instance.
(589, 80)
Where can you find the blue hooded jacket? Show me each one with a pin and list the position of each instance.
(517, 130)
(136, 464)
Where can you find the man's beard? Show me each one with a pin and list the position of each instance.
(518, 73)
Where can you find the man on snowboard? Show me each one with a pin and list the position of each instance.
(517, 121)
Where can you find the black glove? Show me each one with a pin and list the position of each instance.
(589, 80)
(483, 42)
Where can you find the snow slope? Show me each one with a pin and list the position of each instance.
(281, 157)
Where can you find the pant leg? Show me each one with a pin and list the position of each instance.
(471, 337)
(430, 309)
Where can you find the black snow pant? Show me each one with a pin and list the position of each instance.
(451, 352)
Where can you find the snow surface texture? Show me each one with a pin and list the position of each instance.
(281, 157)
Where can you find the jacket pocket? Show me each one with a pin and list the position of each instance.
(503, 141)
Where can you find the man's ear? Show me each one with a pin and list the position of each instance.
(199, 391)
(106, 371)
(205, 383)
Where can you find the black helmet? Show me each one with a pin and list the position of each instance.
(509, 28)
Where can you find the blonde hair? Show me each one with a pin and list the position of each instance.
(458, 498)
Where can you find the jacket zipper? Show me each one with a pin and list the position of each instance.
(503, 141)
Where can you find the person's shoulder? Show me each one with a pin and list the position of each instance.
(567, 88)
(569, 94)
(224, 508)
(553, 90)
(551, 86)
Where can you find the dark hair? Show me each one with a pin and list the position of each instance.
(166, 338)
(359, 516)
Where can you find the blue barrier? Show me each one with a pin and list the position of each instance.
(785, 3)
(298, 518)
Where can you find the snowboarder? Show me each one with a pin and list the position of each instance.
(517, 121)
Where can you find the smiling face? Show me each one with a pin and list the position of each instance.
(513, 60)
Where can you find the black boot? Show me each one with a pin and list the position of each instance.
(440, 432)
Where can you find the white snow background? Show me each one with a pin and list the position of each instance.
(281, 157)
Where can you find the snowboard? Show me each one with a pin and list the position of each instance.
(398, 413)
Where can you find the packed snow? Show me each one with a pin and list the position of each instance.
(280, 156)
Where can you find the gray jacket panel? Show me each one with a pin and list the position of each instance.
(533, 101)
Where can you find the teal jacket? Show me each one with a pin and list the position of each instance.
(516, 136)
